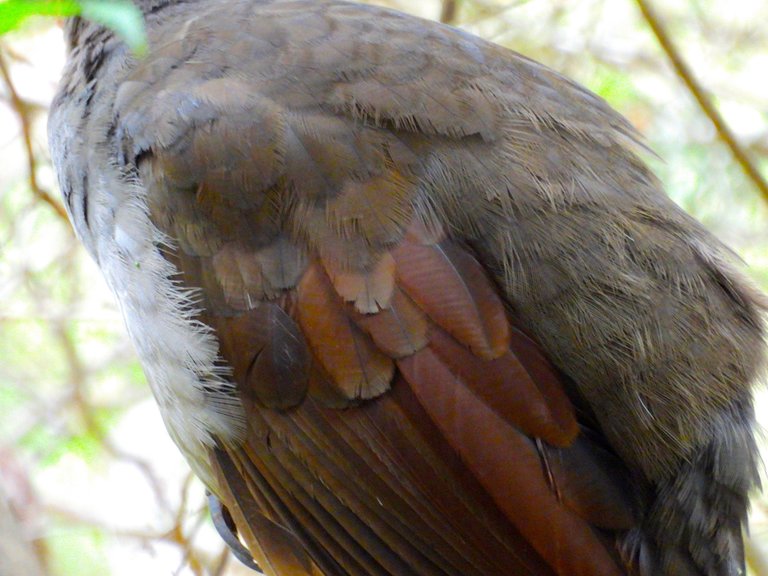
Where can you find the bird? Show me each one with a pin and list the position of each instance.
(411, 303)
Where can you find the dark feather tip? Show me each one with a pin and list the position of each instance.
(225, 526)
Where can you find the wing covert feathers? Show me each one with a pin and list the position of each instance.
(452, 418)
(347, 354)
(268, 355)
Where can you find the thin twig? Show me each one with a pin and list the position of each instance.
(21, 109)
(79, 376)
(449, 11)
(73, 517)
(705, 102)
(16, 550)
(177, 532)
(221, 563)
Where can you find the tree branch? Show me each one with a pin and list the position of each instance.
(699, 93)
(17, 556)
(21, 109)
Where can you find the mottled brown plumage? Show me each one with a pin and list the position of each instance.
(411, 304)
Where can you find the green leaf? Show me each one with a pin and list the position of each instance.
(119, 15)
(14, 12)
(122, 16)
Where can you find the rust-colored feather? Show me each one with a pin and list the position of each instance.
(548, 379)
(399, 330)
(375, 486)
(506, 387)
(454, 291)
(508, 466)
(357, 368)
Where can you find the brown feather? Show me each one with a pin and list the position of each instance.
(399, 330)
(357, 368)
(590, 481)
(507, 465)
(505, 386)
(370, 291)
(548, 379)
(380, 466)
(453, 289)
(274, 548)
(268, 355)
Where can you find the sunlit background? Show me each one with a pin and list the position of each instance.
(93, 482)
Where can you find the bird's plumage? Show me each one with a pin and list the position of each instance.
(410, 302)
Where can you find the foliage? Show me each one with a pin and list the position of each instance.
(120, 15)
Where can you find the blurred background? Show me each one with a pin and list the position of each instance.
(90, 484)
